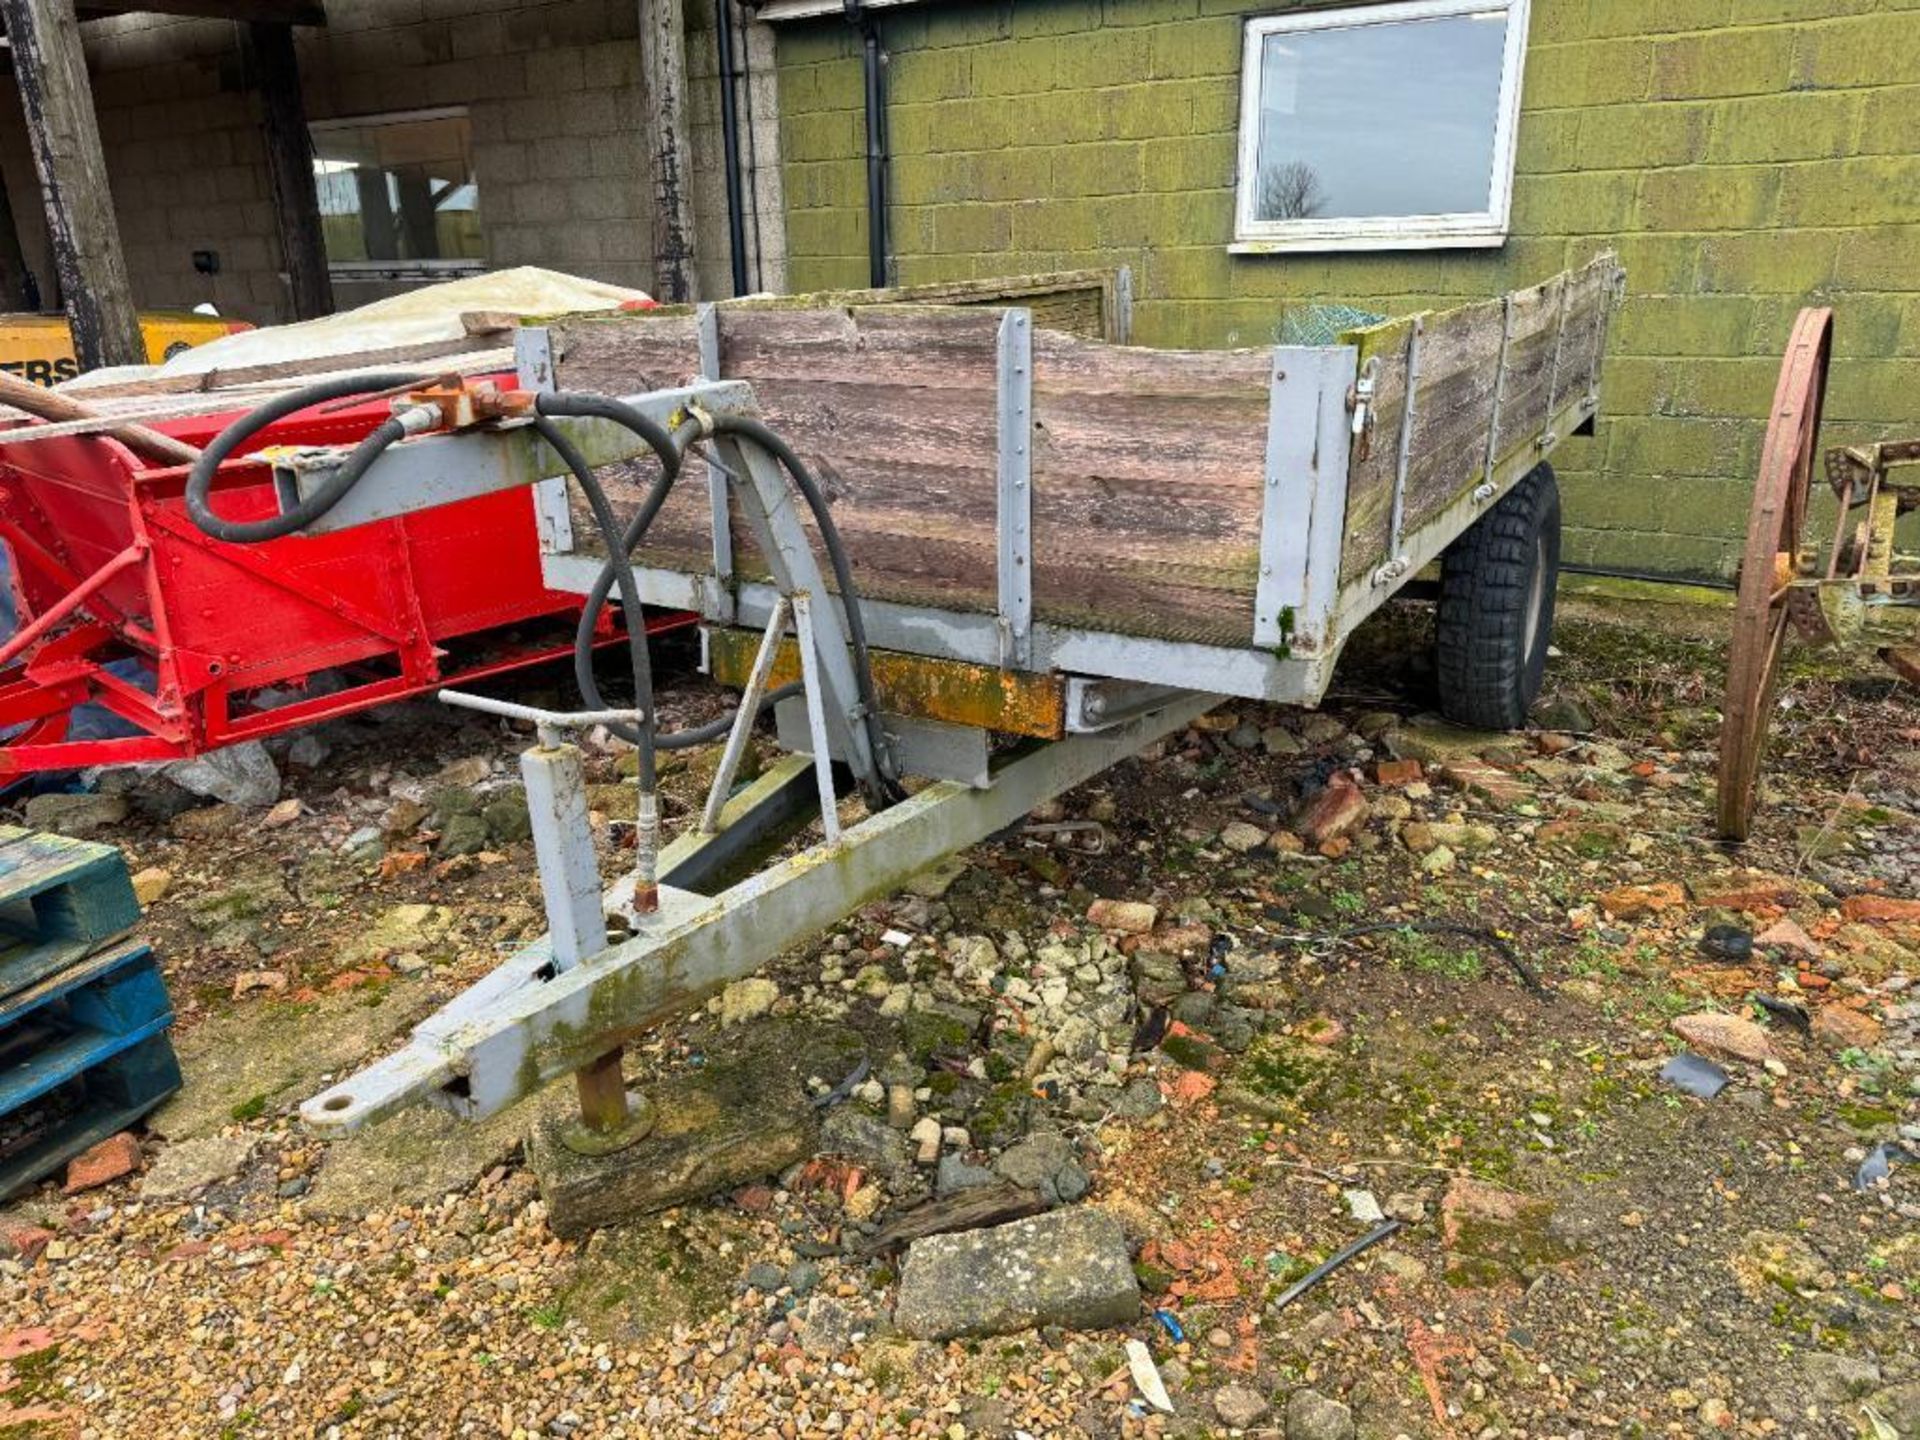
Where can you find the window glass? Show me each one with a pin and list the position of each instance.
(398, 191)
(1380, 119)
(1381, 122)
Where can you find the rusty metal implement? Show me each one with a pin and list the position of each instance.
(1862, 596)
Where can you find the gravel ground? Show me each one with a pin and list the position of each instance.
(1586, 1250)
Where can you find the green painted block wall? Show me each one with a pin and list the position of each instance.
(1745, 157)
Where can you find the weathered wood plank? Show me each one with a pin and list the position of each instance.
(625, 354)
(1088, 303)
(1370, 473)
(289, 146)
(1147, 466)
(895, 411)
(888, 349)
(1459, 370)
(1552, 354)
(663, 64)
(43, 40)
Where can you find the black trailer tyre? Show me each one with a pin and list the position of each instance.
(1495, 618)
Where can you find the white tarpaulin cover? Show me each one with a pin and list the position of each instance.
(417, 317)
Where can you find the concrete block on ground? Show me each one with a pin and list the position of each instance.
(1070, 1267)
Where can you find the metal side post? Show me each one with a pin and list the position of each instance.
(816, 716)
(743, 719)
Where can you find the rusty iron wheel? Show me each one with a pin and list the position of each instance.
(1770, 561)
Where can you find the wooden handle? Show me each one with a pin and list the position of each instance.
(51, 405)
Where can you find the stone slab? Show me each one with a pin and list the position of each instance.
(1070, 1268)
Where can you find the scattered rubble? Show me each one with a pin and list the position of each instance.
(183, 1170)
(111, 1159)
(1215, 1040)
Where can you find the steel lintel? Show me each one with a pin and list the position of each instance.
(527, 1023)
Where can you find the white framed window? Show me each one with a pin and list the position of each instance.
(1379, 127)
(397, 195)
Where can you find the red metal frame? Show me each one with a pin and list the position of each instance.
(107, 566)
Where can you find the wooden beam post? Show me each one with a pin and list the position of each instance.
(663, 63)
(296, 202)
(58, 100)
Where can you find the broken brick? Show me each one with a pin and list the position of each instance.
(1337, 811)
(1398, 772)
(1477, 777)
(1787, 934)
(1636, 902)
(1842, 1028)
(1880, 909)
(110, 1160)
(23, 1241)
(1744, 890)
(1725, 1035)
(1134, 917)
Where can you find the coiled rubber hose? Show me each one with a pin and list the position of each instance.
(618, 572)
(250, 532)
(754, 433)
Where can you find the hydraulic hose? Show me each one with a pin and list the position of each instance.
(754, 432)
(605, 407)
(620, 563)
(248, 532)
(618, 572)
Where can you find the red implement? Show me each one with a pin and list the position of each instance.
(124, 603)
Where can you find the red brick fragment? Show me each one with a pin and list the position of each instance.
(23, 1241)
(1477, 777)
(1882, 909)
(114, 1157)
(1336, 811)
(1636, 902)
(1399, 772)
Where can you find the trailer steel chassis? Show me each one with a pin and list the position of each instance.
(568, 1002)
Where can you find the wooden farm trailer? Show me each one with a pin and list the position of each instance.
(1051, 535)
(1051, 504)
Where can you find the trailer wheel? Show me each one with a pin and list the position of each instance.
(1495, 616)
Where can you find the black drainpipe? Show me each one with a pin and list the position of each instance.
(874, 61)
(730, 144)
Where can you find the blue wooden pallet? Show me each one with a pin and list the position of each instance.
(83, 1014)
(60, 900)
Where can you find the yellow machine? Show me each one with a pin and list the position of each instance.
(39, 348)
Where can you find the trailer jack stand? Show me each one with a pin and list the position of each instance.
(611, 1116)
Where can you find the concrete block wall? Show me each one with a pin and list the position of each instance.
(551, 90)
(1745, 157)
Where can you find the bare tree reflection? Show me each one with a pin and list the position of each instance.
(1290, 191)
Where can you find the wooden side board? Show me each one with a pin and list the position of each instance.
(1094, 304)
(1489, 377)
(1146, 465)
